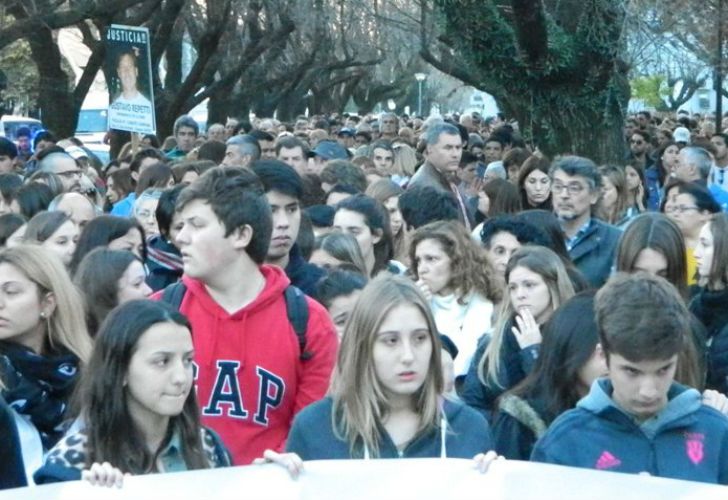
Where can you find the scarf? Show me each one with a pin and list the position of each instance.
(164, 254)
(38, 387)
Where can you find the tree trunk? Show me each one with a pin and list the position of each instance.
(558, 71)
(54, 98)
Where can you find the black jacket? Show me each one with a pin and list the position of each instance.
(303, 275)
(517, 425)
(12, 471)
(711, 308)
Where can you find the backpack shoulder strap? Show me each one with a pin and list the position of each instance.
(519, 409)
(174, 293)
(297, 309)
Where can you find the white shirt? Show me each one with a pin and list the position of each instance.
(464, 324)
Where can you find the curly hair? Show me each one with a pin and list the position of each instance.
(469, 268)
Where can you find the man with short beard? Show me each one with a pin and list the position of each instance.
(575, 190)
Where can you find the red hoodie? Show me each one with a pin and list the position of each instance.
(250, 381)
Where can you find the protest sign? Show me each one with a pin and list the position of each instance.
(422, 479)
(128, 65)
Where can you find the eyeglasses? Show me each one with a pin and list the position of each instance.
(70, 173)
(680, 208)
(638, 143)
(146, 214)
(573, 189)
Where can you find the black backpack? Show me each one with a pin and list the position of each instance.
(296, 307)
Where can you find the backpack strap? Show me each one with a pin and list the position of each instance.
(297, 309)
(174, 293)
(519, 409)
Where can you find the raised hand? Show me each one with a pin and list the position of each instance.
(527, 332)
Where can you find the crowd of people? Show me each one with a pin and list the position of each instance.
(363, 287)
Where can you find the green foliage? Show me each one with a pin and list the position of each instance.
(650, 89)
(22, 75)
(570, 97)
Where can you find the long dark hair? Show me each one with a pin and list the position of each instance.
(112, 435)
(97, 279)
(569, 340)
(100, 231)
(377, 218)
(532, 164)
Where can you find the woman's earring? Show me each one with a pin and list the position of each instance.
(43, 315)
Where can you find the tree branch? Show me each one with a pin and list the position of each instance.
(25, 27)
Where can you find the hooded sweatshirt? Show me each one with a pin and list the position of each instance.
(686, 440)
(462, 433)
(250, 380)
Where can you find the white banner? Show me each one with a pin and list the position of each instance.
(422, 479)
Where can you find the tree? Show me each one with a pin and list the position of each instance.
(661, 42)
(556, 66)
(58, 99)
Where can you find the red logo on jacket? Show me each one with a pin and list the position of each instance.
(694, 446)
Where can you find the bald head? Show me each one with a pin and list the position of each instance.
(78, 207)
(64, 166)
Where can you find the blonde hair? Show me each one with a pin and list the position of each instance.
(405, 160)
(618, 178)
(360, 403)
(549, 266)
(67, 323)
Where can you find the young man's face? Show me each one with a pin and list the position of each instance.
(206, 251)
(23, 143)
(637, 144)
(267, 150)
(295, 158)
(128, 73)
(383, 159)
(640, 388)
(389, 125)
(493, 151)
(286, 223)
(720, 147)
(185, 138)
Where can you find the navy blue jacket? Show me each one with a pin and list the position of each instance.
(594, 253)
(517, 424)
(515, 364)
(711, 309)
(12, 470)
(686, 440)
(303, 275)
(312, 436)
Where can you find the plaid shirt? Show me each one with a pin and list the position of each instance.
(571, 242)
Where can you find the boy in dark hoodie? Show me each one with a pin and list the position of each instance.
(284, 190)
(640, 420)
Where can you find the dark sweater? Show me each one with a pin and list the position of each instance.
(711, 309)
(312, 436)
(302, 274)
(12, 472)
